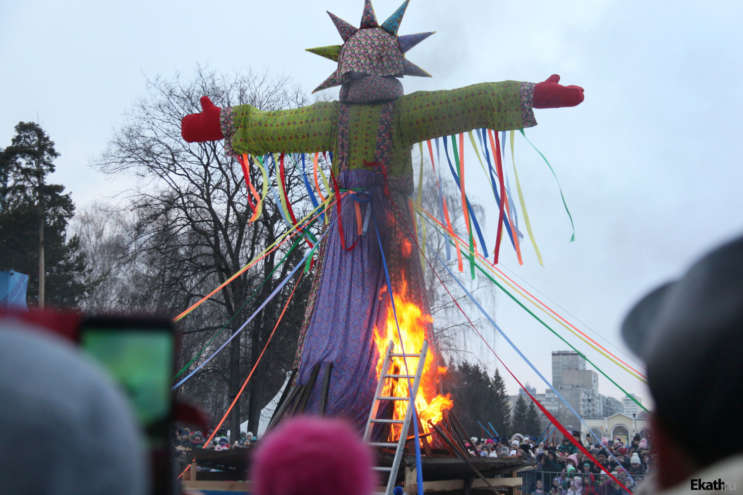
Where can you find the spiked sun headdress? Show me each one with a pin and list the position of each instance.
(371, 49)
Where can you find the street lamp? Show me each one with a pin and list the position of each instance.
(634, 423)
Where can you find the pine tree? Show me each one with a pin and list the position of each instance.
(500, 410)
(532, 426)
(30, 207)
(519, 415)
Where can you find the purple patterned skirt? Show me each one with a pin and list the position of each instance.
(349, 294)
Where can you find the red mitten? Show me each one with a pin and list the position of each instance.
(204, 126)
(550, 94)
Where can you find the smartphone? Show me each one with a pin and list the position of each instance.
(138, 352)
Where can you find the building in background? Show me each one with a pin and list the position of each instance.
(611, 406)
(579, 386)
(617, 427)
(630, 406)
(606, 416)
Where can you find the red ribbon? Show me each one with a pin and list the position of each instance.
(244, 164)
(282, 173)
(340, 217)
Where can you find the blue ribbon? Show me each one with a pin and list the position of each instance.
(275, 187)
(469, 206)
(493, 174)
(545, 432)
(242, 327)
(486, 431)
(531, 365)
(493, 428)
(418, 462)
(307, 186)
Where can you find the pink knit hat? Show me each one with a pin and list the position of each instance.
(313, 456)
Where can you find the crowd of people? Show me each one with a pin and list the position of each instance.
(187, 439)
(561, 469)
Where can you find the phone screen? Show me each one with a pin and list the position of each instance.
(140, 360)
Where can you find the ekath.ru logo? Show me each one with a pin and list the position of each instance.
(718, 485)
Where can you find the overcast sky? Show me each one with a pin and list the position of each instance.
(650, 162)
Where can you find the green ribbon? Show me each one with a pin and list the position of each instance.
(464, 207)
(559, 187)
(489, 277)
(247, 301)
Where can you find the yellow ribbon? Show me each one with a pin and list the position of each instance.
(264, 190)
(523, 203)
(255, 260)
(500, 274)
(282, 193)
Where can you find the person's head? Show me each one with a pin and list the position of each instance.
(197, 439)
(313, 456)
(540, 484)
(65, 427)
(688, 332)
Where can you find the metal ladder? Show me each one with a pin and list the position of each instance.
(400, 445)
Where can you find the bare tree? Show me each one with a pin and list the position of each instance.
(191, 232)
(452, 332)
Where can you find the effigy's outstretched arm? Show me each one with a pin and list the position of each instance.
(502, 106)
(249, 130)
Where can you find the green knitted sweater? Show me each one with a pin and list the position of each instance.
(415, 117)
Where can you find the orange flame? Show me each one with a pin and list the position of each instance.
(413, 322)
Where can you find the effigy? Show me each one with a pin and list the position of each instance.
(368, 287)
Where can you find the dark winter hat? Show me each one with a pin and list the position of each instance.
(689, 332)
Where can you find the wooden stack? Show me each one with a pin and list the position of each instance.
(448, 467)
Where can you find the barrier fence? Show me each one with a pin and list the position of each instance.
(529, 481)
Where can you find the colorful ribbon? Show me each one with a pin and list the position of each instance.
(275, 245)
(559, 187)
(245, 324)
(549, 416)
(497, 272)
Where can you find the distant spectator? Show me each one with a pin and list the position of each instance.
(636, 467)
(576, 486)
(607, 486)
(539, 489)
(65, 428)
(567, 447)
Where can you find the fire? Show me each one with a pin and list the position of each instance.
(413, 321)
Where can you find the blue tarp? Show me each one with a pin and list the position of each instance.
(13, 287)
